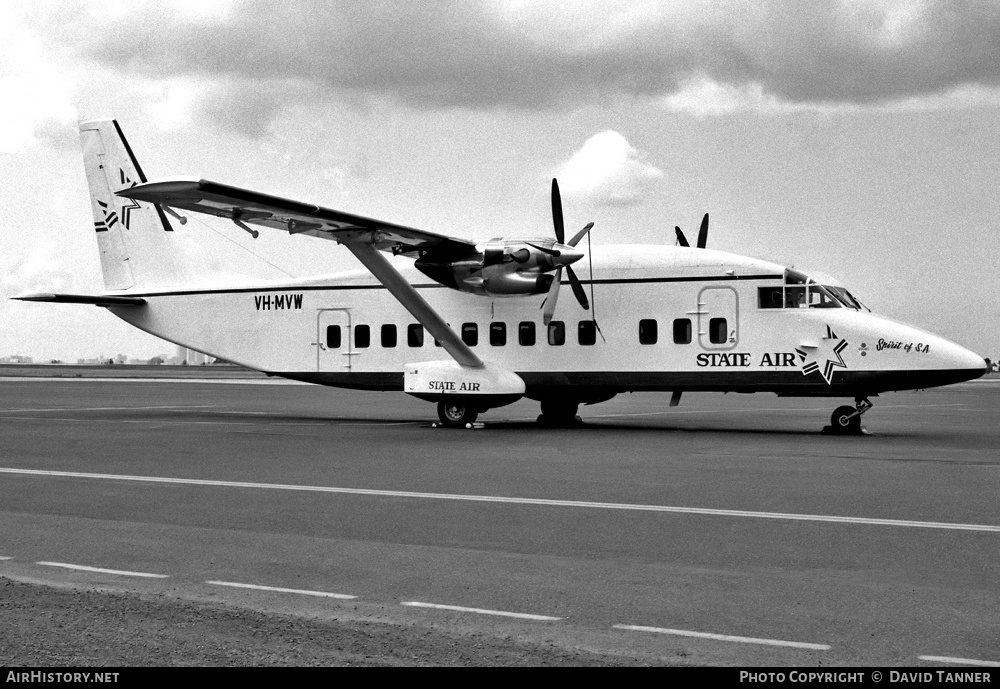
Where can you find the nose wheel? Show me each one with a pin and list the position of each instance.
(847, 420)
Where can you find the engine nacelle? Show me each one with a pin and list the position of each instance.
(501, 268)
(507, 284)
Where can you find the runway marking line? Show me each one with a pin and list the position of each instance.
(171, 406)
(169, 422)
(4, 557)
(545, 502)
(258, 587)
(145, 422)
(960, 661)
(724, 637)
(482, 611)
(102, 570)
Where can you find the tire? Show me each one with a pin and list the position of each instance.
(558, 413)
(456, 414)
(844, 425)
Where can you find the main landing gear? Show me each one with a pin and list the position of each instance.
(847, 420)
(559, 414)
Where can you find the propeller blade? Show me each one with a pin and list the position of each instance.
(581, 234)
(557, 214)
(574, 282)
(549, 305)
(703, 232)
(550, 252)
(681, 239)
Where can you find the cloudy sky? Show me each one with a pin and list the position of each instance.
(859, 138)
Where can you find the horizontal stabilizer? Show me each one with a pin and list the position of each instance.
(95, 299)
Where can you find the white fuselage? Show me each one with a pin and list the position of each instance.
(313, 330)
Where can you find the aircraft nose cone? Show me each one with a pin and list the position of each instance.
(963, 363)
(971, 362)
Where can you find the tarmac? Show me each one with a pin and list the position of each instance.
(726, 531)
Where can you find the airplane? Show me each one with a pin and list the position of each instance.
(473, 326)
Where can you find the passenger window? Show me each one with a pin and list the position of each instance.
(647, 331)
(362, 336)
(415, 335)
(682, 331)
(587, 332)
(333, 337)
(437, 342)
(717, 330)
(389, 335)
(498, 334)
(470, 334)
(557, 333)
(526, 333)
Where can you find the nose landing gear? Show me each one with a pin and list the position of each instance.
(847, 420)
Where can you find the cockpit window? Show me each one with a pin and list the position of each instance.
(845, 297)
(801, 291)
(821, 298)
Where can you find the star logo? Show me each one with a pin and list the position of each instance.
(825, 357)
(132, 204)
(110, 218)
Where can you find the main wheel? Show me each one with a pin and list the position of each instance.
(843, 422)
(456, 414)
(558, 413)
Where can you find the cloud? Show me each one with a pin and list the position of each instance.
(39, 271)
(244, 106)
(537, 54)
(607, 171)
(39, 101)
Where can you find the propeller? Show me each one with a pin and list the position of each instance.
(549, 305)
(702, 234)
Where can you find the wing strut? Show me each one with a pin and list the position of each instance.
(406, 295)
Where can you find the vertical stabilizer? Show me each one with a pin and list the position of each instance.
(136, 240)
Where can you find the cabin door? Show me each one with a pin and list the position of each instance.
(334, 345)
(718, 318)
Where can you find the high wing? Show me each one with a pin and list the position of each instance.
(364, 237)
(295, 217)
